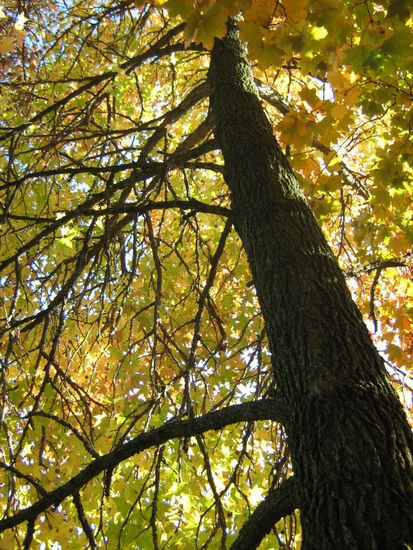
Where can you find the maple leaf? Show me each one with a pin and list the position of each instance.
(6, 44)
(21, 20)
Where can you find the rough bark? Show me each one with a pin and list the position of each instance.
(350, 441)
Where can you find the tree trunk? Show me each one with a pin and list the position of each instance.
(350, 441)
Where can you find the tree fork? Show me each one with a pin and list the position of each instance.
(350, 440)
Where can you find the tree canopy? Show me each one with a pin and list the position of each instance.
(136, 376)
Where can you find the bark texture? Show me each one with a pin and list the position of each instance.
(350, 441)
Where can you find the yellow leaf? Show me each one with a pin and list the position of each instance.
(295, 131)
(7, 540)
(396, 353)
(403, 98)
(332, 160)
(307, 166)
(249, 34)
(399, 244)
(269, 55)
(179, 7)
(211, 23)
(329, 183)
(21, 20)
(338, 111)
(20, 36)
(310, 96)
(191, 29)
(403, 322)
(338, 81)
(295, 9)
(352, 97)
(318, 33)
(260, 12)
(6, 44)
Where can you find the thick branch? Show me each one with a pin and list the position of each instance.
(86, 209)
(139, 209)
(265, 409)
(277, 504)
(272, 97)
(195, 96)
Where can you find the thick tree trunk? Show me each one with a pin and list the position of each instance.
(350, 441)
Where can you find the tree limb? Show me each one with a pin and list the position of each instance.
(380, 265)
(83, 520)
(128, 66)
(264, 409)
(277, 504)
(272, 97)
(27, 477)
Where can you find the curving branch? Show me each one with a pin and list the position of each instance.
(128, 66)
(194, 96)
(27, 477)
(264, 409)
(86, 209)
(89, 448)
(378, 267)
(402, 261)
(277, 504)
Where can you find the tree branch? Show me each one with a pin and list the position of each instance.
(264, 409)
(272, 97)
(128, 66)
(27, 477)
(194, 96)
(275, 99)
(277, 504)
(67, 425)
(83, 520)
(140, 209)
(380, 265)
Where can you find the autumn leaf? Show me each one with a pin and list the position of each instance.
(21, 20)
(295, 131)
(163, 276)
(6, 44)
(296, 10)
(212, 23)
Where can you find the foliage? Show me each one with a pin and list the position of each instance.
(127, 301)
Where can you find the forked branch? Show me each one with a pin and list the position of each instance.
(264, 409)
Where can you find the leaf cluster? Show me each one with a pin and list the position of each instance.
(127, 300)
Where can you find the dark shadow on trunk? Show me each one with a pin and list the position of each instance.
(350, 441)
